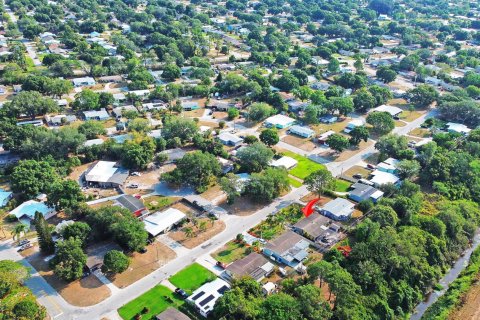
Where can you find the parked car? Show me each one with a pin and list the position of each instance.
(25, 247)
(133, 186)
(371, 166)
(357, 176)
(23, 242)
(181, 293)
(221, 265)
(143, 250)
(135, 173)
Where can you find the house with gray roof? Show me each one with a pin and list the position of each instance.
(362, 192)
(338, 209)
(289, 248)
(254, 265)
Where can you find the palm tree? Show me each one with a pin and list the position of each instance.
(188, 232)
(212, 219)
(18, 230)
(202, 226)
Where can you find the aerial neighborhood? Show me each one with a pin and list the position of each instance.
(239, 159)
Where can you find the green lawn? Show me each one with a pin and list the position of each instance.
(232, 251)
(156, 300)
(192, 277)
(294, 183)
(342, 185)
(155, 203)
(275, 224)
(304, 167)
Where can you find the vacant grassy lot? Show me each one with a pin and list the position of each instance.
(342, 185)
(304, 167)
(230, 252)
(294, 182)
(156, 203)
(192, 277)
(156, 300)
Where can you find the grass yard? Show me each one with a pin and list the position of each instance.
(294, 182)
(192, 277)
(342, 185)
(156, 300)
(304, 167)
(231, 251)
(275, 224)
(155, 203)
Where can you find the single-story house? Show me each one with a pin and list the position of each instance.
(101, 114)
(190, 105)
(329, 118)
(322, 139)
(242, 180)
(312, 227)
(279, 121)
(254, 265)
(172, 314)
(380, 178)
(205, 297)
(58, 119)
(106, 174)
(363, 192)
(289, 249)
(135, 205)
(220, 106)
(154, 106)
(353, 124)
(453, 127)
(301, 131)
(162, 221)
(389, 165)
(286, 162)
(113, 79)
(338, 209)
(226, 165)
(35, 123)
(119, 110)
(26, 211)
(122, 138)
(140, 93)
(119, 97)
(229, 139)
(296, 105)
(394, 111)
(93, 142)
(175, 154)
(5, 196)
(269, 288)
(85, 81)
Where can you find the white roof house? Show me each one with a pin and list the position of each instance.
(279, 121)
(394, 111)
(380, 178)
(353, 124)
(119, 110)
(389, 165)
(85, 81)
(338, 209)
(27, 210)
(92, 142)
(101, 114)
(285, 162)
(458, 128)
(205, 297)
(106, 173)
(229, 139)
(301, 131)
(162, 221)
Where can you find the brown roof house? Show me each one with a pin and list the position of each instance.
(254, 265)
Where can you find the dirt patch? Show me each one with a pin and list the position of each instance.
(214, 194)
(81, 293)
(309, 197)
(357, 170)
(420, 132)
(220, 115)
(242, 207)
(298, 142)
(337, 126)
(347, 154)
(470, 309)
(147, 178)
(78, 171)
(142, 264)
(198, 237)
(186, 208)
(99, 193)
(210, 124)
(194, 113)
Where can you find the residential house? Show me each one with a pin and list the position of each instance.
(117, 112)
(312, 227)
(101, 114)
(279, 121)
(329, 118)
(338, 209)
(133, 204)
(296, 105)
(380, 178)
(353, 124)
(254, 265)
(393, 111)
(362, 192)
(301, 131)
(5, 196)
(289, 249)
(205, 297)
(286, 162)
(322, 139)
(229, 139)
(106, 174)
(112, 79)
(389, 165)
(453, 127)
(60, 119)
(161, 222)
(190, 105)
(26, 211)
(85, 81)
